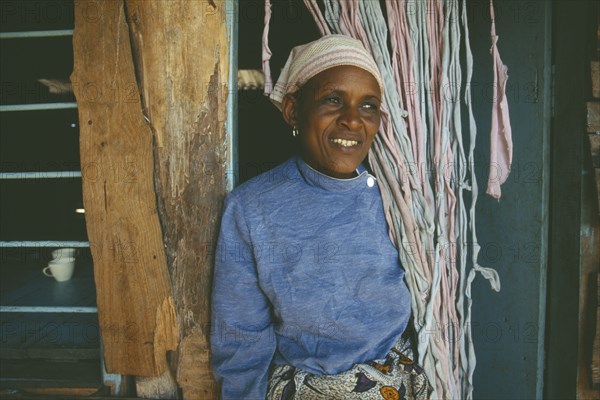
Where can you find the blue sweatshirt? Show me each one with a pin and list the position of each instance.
(305, 275)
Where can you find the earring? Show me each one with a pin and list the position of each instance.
(295, 132)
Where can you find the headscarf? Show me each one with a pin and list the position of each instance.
(307, 60)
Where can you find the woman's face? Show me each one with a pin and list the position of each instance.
(337, 113)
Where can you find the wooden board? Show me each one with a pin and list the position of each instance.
(596, 346)
(589, 268)
(595, 149)
(135, 303)
(593, 116)
(595, 73)
(597, 172)
(181, 50)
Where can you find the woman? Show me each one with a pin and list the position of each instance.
(309, 300)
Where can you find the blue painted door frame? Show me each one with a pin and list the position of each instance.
(526, 335)
(509, 326)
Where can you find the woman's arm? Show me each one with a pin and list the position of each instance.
(242, 337)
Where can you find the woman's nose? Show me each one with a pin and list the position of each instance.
(349, 118)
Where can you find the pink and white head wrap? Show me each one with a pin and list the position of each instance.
(307, 60)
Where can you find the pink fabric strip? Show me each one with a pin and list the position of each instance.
(313, 7)
(501, 146)
(403, 76)
(400, 35)
(435, 65)
(350, 22)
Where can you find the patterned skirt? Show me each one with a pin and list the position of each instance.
(395, 377)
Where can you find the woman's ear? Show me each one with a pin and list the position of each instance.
(289, 107)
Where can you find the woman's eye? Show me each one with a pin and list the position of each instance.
(370, 106)
(333, 100)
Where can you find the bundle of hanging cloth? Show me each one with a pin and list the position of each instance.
(419, 157)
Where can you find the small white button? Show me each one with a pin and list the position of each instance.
(370, 181)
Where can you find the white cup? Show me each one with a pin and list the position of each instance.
(60, 269)
(64, 252)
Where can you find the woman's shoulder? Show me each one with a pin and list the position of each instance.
(271, 182)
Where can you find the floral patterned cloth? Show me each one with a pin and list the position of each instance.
(395, 377)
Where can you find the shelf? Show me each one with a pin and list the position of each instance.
(48, 373)
(38, 334)
(36, 34)
(49, 309)
(24, 284)
(43, 244)
(38, 106)
(29, 333)
(40, 175)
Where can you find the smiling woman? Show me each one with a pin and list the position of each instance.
(309, 298)
(337, 115)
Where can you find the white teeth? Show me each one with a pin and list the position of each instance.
(344, 142)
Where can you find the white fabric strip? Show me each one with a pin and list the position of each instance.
(266, 51)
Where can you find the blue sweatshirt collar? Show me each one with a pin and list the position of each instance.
(319, 179)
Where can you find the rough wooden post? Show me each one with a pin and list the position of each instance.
(181, 49)
(160, 74)
(135, 303)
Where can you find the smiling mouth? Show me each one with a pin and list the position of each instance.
(345, 143)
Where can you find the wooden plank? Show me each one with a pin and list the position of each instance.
(596, 347)
(135, 303)
(590, 247)
(593, 116)
(595, 149)
(595, 72)
(184, 76)
(559, 307)
(589, 267)
(597, 172)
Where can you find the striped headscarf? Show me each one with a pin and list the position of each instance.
(307, 60)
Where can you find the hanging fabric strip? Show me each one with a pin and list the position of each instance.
(313, 7)
(468, 360)
(501, 132)
(426, 178)
(266, 51)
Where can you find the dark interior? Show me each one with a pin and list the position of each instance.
(39, 349)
